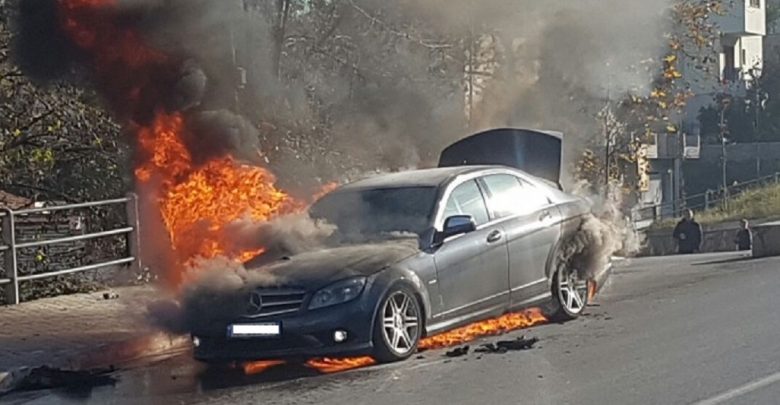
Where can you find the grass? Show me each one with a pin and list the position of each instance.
(755, 204)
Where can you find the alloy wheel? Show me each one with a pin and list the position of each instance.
(572, 291)
(400, 322)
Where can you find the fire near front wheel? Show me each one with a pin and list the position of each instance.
(570, 294)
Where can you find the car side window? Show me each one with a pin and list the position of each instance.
(467, 199)
(510, 195)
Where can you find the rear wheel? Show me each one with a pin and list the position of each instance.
(570, 294)
(398, 327)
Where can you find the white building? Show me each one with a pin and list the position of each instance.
(742, 30)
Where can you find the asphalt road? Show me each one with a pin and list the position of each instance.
(665, 331)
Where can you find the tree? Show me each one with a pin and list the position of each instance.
(56, 143)
(691, 42)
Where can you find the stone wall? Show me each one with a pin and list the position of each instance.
(718, 238)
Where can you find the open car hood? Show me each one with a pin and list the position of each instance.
(535, 152)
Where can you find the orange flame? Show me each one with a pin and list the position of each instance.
(325, 189)
(329, 366)
(197, 202)
(259, 367)
(592, 289)
(490, 327)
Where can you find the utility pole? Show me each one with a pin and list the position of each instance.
(725, 103)
(240, 74)
(608, 146)
(607, 138)
(470, 72)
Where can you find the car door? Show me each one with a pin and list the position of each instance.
(472, 269)
(531, 226)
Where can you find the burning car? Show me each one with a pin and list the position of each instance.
(415, 254)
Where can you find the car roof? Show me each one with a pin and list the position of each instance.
(415, 178)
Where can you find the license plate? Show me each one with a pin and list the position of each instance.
(247, 330)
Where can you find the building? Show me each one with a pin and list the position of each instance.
(742, 29)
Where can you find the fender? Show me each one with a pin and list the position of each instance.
(397, 275)
(569, 228)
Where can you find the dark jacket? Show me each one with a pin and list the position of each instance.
(744, 239)
(688, 236)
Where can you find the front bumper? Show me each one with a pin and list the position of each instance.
(304, 335)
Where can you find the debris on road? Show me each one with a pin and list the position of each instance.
(40, 378)
(458, 352)
(504, 346)
(110, 295)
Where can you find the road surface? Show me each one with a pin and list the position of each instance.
(698, 329)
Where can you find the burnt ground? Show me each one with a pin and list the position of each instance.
(667, 330)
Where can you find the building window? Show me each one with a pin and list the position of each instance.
(755, 3)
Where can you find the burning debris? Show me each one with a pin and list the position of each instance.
(503, 346)
(458, 351)
(40, 378)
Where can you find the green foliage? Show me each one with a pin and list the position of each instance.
(55, 142)
(756, 204)
(752, 118)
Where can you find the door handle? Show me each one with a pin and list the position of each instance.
(495, 236)
(545, 215)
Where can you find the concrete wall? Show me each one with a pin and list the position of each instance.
(766, 240)
(716, 239)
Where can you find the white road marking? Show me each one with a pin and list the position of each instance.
(742, 390)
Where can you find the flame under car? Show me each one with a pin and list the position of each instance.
(416, 254)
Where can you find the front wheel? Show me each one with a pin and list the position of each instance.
(398, 327)
(570, 294)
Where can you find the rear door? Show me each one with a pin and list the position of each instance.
(531, 225)
(473, 268)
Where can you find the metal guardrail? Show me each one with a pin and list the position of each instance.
(10, 246)
(699, 202)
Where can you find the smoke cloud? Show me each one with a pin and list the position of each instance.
(604, 233)
(382, 83)
(281, 237)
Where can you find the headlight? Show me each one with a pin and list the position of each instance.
(338, 293)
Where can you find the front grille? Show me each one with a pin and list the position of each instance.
(265, 302)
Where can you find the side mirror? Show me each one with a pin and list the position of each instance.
(456, 225)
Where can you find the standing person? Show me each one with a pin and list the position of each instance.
(744, 239)
(687, 233)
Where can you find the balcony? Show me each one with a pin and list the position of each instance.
(670, 146)
(742, 18)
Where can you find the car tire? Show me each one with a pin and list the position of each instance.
(398, 325)
(569, 294)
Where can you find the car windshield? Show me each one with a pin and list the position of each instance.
(376, 213)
